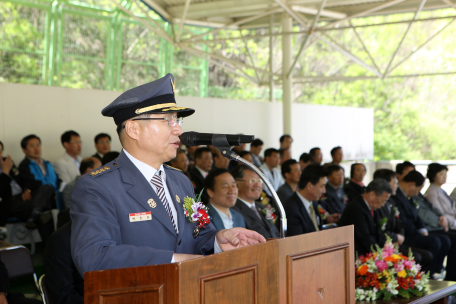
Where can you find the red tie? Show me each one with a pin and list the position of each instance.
(372, 212)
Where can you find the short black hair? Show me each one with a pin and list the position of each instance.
(199, 152)
(109, 157)
(269, 152)
(333, 168)
(333, 150)
(209, 181)
(25, 140)
(379, 186)
(256, 142)
(85, 164)
(66, 137)
(239, 171)
(311, 174)
(282, 138)
(100, 136)
(306, 157)
(286, 166)
(352, 168)
(385, 174)
(1, 144)
(433, 169)
(313, 151)
(282, 152)
(400, 167)
(414, 177)
(242, 153)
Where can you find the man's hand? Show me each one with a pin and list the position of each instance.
(400, 239)
(443, 222)
(26, 196)
(6, 164)
(425, 233)
(180, 257)
(229, 239)
(3, 298)
(333, 218)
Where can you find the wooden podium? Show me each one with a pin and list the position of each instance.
(312, 268)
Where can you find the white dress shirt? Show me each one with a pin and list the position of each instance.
(203, 173)
(250, 205)
(226, 219)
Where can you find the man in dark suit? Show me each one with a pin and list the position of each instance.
(303, 212)
(203, 164)
(334, 199)
(129, 212)
(416, 234)
(355, 187)
(63, 281)
(291, 171)
(360, 212)
(222, 191)
(256, 216)
(394, 227)
(102, 144)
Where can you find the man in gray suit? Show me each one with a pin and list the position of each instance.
(222, 191)
(129, 212)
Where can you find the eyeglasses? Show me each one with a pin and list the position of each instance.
(172, 120)
(252, 180)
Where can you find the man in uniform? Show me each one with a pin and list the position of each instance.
(129, 212)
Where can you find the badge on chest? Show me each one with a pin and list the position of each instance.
(140, 216)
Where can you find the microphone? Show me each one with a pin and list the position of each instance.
(196, 139)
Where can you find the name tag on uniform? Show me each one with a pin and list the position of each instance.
(141, 216)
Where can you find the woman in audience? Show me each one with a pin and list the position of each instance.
(437, 175)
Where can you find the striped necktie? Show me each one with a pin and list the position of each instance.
(158, 183)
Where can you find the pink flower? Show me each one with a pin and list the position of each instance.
(387, 251)
(407, 264)
(381, 265)
(398, 267)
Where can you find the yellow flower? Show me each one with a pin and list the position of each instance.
(396, 257)
(386, 273)
(382, 286)
(402, 274)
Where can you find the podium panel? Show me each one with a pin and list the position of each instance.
(312, 268)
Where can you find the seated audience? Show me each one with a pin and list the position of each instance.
(284, 156)
(303, 212)
(180, 161)
(8, 297)
(304, 160)
(34, 170)
(247, 156)
(102, 144)
(360, 212)
(317, 155)
(64, 283)
(334, 200)
(416, 234)
(191, 156)
(394, 227)
(203, 164)
(220, 161)
(88, 164)
(222, 191)
(67, 166)
(437, 175)
(403, 169)
(337, 156)
(291, 172)
(355, 186)
(255, 148)
(271, 161)
(285, 142)
(109, 157)
(256, 216)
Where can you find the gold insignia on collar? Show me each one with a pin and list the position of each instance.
(178, 199)
(101, 170)
(172, 83)
(152, 203)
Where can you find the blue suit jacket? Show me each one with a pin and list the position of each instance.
(238, 219)
(103, 236)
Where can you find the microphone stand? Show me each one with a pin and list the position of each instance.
(220, 142)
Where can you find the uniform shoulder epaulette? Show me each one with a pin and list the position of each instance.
(103, 169)
(173, 168)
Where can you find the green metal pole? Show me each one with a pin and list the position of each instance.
(46, 58)
(60, 46)
(112, 41)
(52, 46)
(204, 75)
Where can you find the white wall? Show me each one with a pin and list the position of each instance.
(50, 111)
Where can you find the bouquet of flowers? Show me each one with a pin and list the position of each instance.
(386, 273)
(269, 213)
(196, 212)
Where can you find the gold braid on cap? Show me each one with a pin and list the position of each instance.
(156, 107)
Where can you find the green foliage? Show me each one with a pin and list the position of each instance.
(404, 293)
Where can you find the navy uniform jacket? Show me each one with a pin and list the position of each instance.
(103, 236)
(238, 219)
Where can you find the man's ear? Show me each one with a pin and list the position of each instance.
(23, 150)
(132, 129)
(210, 192)
(66, 145)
